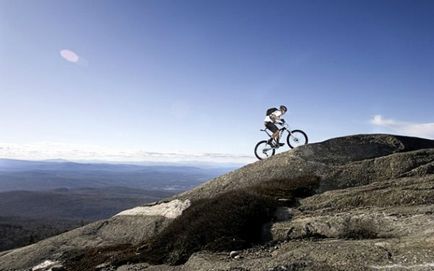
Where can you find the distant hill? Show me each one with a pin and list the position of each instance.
(75, 204)
(29, 216)
(61, 164)
(43, 175)
(21, 231)
(39, 199)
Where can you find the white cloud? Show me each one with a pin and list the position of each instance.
(405, 128)
(50, 150)
(69, 55)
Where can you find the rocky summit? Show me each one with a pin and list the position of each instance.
(362, 202)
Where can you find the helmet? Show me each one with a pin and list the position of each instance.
(283, 108)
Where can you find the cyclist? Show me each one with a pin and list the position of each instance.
(274, 116)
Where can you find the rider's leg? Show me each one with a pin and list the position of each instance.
(275, 136)
(275, 131)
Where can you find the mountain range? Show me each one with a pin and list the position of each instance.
(39, 199)
(46, 175)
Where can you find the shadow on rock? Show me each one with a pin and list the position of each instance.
(230, 221)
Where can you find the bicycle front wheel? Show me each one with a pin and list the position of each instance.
(296, 138)
(263, 150)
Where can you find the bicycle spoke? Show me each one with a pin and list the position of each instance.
(263, 150)
(297, 138)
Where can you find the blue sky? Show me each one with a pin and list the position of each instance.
(196, 77)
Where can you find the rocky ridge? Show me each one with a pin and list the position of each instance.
(371, 209)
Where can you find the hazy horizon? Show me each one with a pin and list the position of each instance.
(181, 80)
(219, 162)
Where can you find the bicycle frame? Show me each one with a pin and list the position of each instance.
(285, 127)
(294, 139)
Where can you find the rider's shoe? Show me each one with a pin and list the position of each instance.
(275, 144)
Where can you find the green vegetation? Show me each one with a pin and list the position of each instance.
(18, 231)
(27, 217)
(360, 231)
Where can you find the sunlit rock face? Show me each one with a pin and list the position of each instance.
(171, 209)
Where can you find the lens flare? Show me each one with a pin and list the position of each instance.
(69, 55)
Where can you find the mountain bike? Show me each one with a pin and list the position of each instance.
(267, 148)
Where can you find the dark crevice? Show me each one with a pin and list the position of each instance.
(388, 253)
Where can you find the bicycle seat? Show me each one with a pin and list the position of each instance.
(263, 130)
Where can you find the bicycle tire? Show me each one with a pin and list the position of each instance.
(260, 149)
(299, 136)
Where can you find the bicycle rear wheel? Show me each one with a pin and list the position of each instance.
(296, 138)
(263, 150)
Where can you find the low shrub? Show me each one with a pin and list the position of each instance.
(230, 221)
(360, 231)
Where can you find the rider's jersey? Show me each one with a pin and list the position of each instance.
(277, 114)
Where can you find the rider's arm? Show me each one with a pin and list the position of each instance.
(275, 117)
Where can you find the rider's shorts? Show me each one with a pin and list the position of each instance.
(271, 126)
